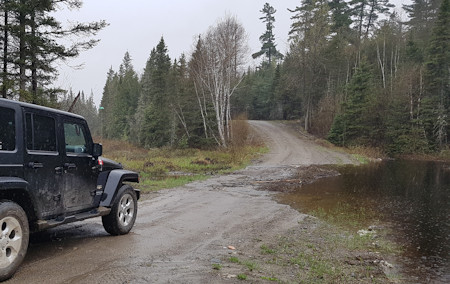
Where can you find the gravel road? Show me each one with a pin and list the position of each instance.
(180, 233)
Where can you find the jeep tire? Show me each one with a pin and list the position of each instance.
(14, 237)
(123, 212)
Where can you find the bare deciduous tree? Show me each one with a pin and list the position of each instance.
(218, 70)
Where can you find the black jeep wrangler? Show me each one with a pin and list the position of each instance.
(51, 173)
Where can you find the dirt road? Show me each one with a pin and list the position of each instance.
(181, 233)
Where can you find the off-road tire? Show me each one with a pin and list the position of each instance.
(123, 212)
(14, 238)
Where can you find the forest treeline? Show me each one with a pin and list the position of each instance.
(358, 74)
(33, 41)
(355, 73)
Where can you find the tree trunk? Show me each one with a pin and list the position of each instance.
(381, 62)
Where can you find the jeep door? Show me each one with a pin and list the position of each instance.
(79, 165)
(43, 162)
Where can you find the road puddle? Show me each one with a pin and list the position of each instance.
(411, 197)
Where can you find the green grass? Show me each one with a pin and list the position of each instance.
(270, 278)
(319, 252)
(251, 265)
(234, 259)
(242, 277)
(266, 250)
(361, 159)
(217, 266)
(168, 167)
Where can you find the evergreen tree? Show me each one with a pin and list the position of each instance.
(126, 99)
(437, 76)
(106, 110)
(32, 45)
(357, 124)
(421, 17)
(268, 38)
(341, 16)
(310, 31)
(182, 104)
(155, 112)
(367, 13)
(119, 101)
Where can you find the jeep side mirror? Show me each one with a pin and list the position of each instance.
(97, 150)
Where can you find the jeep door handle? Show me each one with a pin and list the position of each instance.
(35, 165)
(59, 170)
(70, 166)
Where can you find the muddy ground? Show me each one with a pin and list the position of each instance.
(223, 230)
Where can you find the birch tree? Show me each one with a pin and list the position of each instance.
(223, 51)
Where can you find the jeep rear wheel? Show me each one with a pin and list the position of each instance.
(123, 212)
(14, 237)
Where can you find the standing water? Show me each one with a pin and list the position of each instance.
(413, 197)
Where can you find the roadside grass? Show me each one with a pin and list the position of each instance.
(216, 266)
(323, 249)
(170, 167)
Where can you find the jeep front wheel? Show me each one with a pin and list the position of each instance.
(123, 212)
(14, 237)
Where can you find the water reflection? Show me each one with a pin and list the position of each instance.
(412, 196)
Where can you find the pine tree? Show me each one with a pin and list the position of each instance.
(367, 13)
(341, 16)
(268, 38)
(32, 45)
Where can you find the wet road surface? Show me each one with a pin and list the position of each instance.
(179, 232)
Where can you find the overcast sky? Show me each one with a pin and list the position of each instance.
(136, 26)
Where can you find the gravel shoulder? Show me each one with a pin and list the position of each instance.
(182, 234)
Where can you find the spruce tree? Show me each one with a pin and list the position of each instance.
(155, 113)
(267, 39)
(437, 76)
(122, 90)
(421, 17)
(357, 122)
(106, 110)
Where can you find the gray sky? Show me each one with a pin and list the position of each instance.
(136, 26)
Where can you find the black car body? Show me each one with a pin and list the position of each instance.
(51, 173)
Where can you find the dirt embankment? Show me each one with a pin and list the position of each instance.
(222, 230)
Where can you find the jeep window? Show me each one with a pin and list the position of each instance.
(41, 132)
(75, 136)
(7, 130)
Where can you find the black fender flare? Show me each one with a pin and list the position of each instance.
(17, 190)
(114, 182)
(13, 182)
